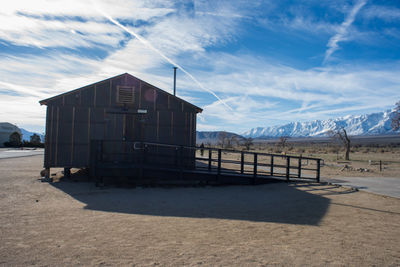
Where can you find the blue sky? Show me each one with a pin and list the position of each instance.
(268, 62)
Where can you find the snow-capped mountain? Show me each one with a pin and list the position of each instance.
(369, 124)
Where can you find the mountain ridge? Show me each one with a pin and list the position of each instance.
(378, 123)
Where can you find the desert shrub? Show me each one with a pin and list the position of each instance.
(333, 150)
(14, 140)
(32, 144)
(300, 150)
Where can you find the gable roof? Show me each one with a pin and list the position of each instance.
(47, 100)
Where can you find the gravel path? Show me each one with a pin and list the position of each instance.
(6, 153)
(388, 186)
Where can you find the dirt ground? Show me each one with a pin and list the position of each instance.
(362, 164)
(75, 223)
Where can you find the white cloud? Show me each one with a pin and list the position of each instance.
(342, 31)
(136, 10)
(259, 90)
(262, 92)
(382, 12)
(73, 25)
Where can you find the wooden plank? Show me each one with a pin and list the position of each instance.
(192, 129)
(154, 99)
(172, 127)
(94, 96)
(255, 168)
(181, 162)
(56, 141)
(72, 136)
(209, 159)
(272, 165)
(140, 95)
(299, 168)
(187, 129)
(110, 92)
(287, 168)
(89, 143)
(255, 165)
(158, 126)
(219, 161)
(241, 162)
(49, 144)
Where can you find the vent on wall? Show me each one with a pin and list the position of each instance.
(125, 95)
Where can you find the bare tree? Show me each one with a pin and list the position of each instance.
(233, 141)
(248, 142)
(341, 135)
(223, 138)
(396, 117)
(282, 141)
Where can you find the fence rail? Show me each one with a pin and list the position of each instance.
(217, 161)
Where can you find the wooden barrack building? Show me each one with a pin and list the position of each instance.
(120, 112)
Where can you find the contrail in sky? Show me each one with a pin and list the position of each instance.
(149, 45)
(342, 30)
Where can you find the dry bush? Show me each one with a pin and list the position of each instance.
(333, 150)
(312, 150)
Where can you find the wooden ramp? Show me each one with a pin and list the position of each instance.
(155, 163)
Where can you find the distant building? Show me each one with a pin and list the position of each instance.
(6, 129)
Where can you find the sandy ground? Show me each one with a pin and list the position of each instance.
(75, 223)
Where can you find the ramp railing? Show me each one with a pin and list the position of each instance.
(218, 161)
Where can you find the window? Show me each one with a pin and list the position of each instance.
(125, 94)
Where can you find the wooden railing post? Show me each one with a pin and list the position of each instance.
(255, 168)
(241, 162)
(181, 162)
(100, 150)
(209, 159)
(299, 168)
(287, 168)
(318, 170)
(255, 165)
(219, 161)
(93, 158)
(176, 157)
(141, 161)
(145, 150)
(272, 165)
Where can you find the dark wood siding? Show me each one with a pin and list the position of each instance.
(77, 117)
